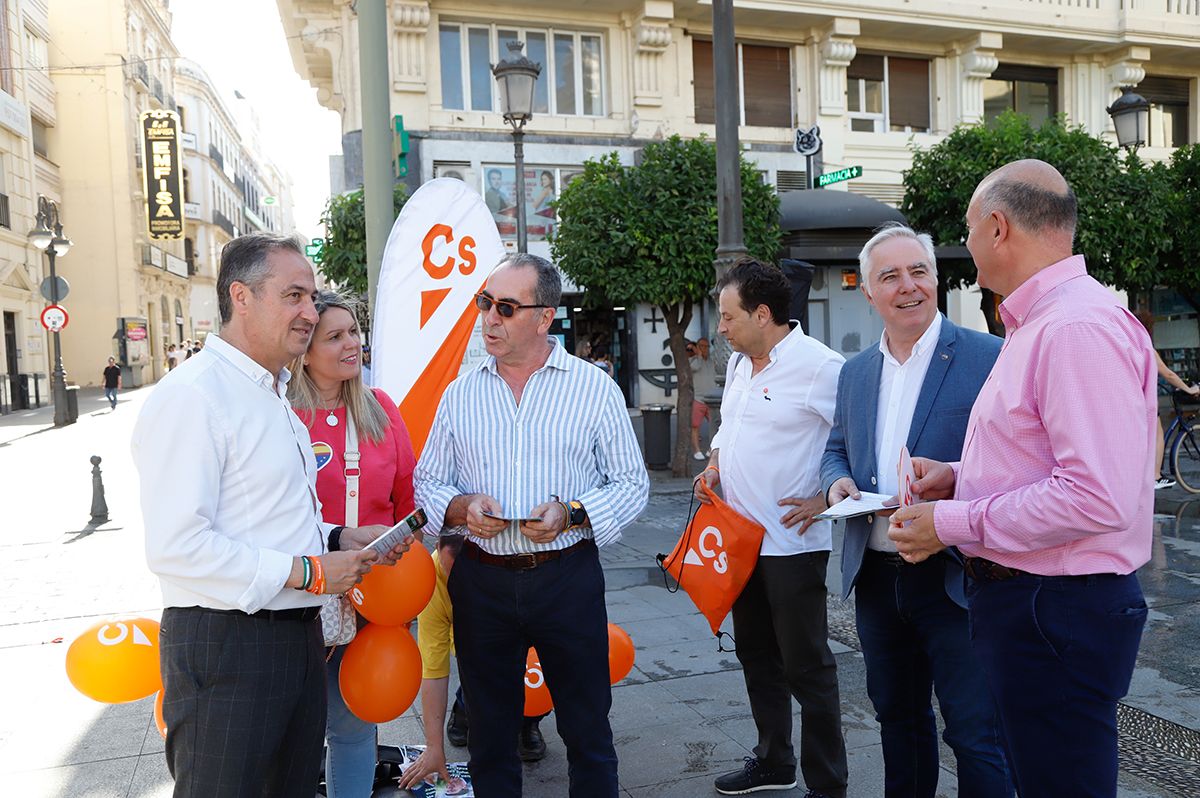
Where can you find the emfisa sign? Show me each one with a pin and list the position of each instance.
(829, 178)
(164, 175)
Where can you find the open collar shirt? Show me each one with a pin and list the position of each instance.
(570, 437)
(774, 426)
(899, 388)
(1054, 477)
(228, 484)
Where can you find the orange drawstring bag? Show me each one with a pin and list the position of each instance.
(714, 557)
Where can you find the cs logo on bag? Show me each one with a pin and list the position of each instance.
(720, 560)
(323, 452)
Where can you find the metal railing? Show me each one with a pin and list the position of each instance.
(142, 73)
(225, 224)
(4, 218)
(216, 155)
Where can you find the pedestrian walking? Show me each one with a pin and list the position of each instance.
(234, 533)
(777, 409)
(915, 390)
(1051, 502)
(112, 382)
(533, 456)
(352, 427)
(704, 382)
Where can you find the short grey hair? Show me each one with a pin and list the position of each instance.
(1031, 208)
(548, 290)
(244, 260)
(887, 232)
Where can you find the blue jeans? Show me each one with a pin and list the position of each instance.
(111, 395)
(1058, 653)
(351, 756)
(915, 640)
(558, 608)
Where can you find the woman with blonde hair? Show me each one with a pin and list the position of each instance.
(343, 415)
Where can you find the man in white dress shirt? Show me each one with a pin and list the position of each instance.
(230, 507)
(780, 388)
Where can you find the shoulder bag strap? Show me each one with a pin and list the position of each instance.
(351, 457)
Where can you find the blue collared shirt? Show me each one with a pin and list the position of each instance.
(570, 436)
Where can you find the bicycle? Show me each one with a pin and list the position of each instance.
(1183, 441)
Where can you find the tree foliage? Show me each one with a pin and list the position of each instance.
(1181, 272)
(1125, 208)
(648, 233)
(344, 254)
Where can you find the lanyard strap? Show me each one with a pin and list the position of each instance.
(352, 472)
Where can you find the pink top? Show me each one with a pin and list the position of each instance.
(1055, 473)
(386, 478)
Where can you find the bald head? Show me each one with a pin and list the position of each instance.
(1032, 194)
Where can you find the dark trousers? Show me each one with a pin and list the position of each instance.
(1058, 653)
(782, 633)
(915, 639)
(558, 608)
(244, 703)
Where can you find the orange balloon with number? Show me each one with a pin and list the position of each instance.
(391, 595)
(537, 694)
(115, 662)
(381, 672)
(620, 653)
(158, 716)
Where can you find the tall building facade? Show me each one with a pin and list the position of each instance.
(28, 110)
(878, 77)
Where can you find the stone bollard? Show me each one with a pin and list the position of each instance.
(99, 506)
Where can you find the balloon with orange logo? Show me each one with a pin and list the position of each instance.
(620, 653)
(391, 595)
(380, 673)
(537, 694)
(114, 662)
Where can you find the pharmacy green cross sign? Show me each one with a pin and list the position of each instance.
(829, 178)
(313, 250)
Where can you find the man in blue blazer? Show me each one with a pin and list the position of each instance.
(915, 389)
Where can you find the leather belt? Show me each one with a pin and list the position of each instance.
(519, 562)
(290, 614)
(987, 571)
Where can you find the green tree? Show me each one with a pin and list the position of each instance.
(1124, 228)
(344, 254)
(648, 233)
(1181, 272)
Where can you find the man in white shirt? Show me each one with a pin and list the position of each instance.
(915, 389)
(780, 388)
(234, 533)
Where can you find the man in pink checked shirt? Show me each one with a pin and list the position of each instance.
(1051, 506)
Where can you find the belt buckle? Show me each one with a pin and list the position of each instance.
(520, 561)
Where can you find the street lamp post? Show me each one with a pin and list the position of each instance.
(1131, 117)
(48, 237)
(517, 76)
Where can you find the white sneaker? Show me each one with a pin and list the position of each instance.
(701, 456)
(1164, 482)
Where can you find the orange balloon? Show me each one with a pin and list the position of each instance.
(158, 716)
(381, 672)
(620, 653)
(391, 595)
(115, 662)
(537, 695)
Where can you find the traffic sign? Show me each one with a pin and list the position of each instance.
(829, 178)
(54, 317)
(64, 288)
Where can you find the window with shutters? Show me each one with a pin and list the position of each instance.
(764, 84)
(1170, 101)
(1028, 90)
(885, 92)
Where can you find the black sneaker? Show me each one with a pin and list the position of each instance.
(754, 776)
(530, 745)
(456, 727)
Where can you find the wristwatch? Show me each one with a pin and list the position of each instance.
(576, 515)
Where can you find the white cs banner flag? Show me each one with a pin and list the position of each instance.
(438, 255)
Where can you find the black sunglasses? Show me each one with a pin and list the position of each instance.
(484, 302)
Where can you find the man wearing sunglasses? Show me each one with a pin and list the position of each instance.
(533, 458)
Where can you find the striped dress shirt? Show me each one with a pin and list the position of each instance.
(570, 437)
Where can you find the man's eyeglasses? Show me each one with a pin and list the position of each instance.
(484, 301)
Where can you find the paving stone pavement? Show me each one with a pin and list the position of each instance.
(679, 719)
